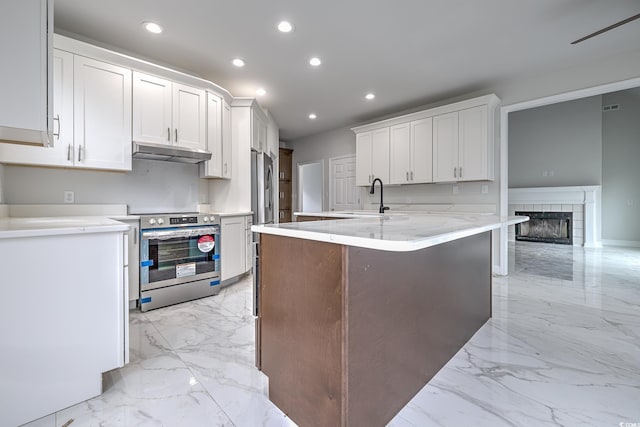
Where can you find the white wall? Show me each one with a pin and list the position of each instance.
(151, 186)
(234, 195)
(556, 145)
(311, 184)
(620, 170)
(335, 143)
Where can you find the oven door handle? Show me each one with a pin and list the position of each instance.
(172, 234)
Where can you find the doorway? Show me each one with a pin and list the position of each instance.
(311, 186)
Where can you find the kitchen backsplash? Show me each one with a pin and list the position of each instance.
(152, 186)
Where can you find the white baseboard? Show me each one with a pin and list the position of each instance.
(623, 243)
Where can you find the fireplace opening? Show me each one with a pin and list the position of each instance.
(548, 227)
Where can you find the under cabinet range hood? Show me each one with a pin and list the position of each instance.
(169, 153)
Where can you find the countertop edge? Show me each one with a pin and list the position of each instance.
(105, 225)
(387, 245)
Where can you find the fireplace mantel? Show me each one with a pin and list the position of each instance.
(587, 196)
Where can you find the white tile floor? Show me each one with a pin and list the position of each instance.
(562, 349)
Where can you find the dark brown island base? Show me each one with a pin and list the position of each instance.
(348, 335)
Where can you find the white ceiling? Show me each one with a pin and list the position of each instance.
(409, 52)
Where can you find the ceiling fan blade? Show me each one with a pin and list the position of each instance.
(610, 27)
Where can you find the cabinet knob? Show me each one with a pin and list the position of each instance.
(57, 119)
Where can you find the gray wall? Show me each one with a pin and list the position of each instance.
(556, 145)
(151, 186)
(621, 170)
(335, 143)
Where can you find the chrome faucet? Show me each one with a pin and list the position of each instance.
(382, 206)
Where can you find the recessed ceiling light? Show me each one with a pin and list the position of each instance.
(315, 61)
(312, 116)
(238, 62)
(261, 92)
(285, 26)
(370, 96)
(152, 27)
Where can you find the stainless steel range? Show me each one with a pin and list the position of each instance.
(179, 258)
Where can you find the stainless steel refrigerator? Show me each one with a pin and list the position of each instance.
(262, 205)
(262, 188)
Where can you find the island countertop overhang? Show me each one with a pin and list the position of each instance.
(392, 232)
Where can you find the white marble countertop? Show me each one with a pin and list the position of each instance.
(49, 226)
(398, 232)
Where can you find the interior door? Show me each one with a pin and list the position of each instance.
(345, 195)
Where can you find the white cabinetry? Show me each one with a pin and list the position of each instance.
(233, 254)
(461, 149)
(372, 156)
(102, 115)
(226, 140)
(258, 131)
(26, 34)
(444, 144)
(218, 138)
(165, 112)
(92, 118)
(410, 152)
(133, 258)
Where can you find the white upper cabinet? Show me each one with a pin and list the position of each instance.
(102, 115)
(62, 151)
(363, 158)
(258, 131)
(474, 154)
(213, 168)
(460, 146)
(92, 118)
(372, 156)
(400, 154)
(26, 33)
(189, 116)
(165, 112)
(445, 147)
(151, 109)
(421, 151)
(226, 140)
(444, 144)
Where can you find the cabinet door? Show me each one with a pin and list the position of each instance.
(445, 147)
(26, 32)
(421, 151)
(213, 168)
(61, 153)
(285, 164)
(473, 145)
(380, 154)
(226, 140)
(258, 132)
(189, 117)
(399, 154)
(151, 109)
(102, 115)
(232, 256)
(364, 142)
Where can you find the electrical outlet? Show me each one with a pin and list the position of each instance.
(69, 196)
(545, 173)
(552, 173)
(455, 189)
(485, 188)
(630, 202)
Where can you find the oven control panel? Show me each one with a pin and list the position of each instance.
(177, 220)
(183, 220)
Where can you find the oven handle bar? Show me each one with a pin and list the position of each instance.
(172, 234)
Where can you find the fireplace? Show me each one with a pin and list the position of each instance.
(548, 227)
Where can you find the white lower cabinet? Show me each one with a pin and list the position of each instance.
(133, 258)
(233, 250)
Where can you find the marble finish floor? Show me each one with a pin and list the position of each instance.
(562, 349)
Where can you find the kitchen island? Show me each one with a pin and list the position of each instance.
(357, 315)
